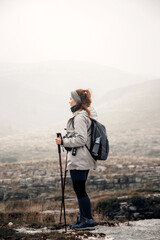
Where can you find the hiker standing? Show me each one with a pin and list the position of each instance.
(80, 160)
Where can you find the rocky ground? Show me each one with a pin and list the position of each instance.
(143, 229)
(42, 179)
(135, 230)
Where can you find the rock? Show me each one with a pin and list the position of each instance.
(48, 180)
(131, 166)
(132, 208)
(136, 214)
(10, 224)
(5, 181)
(123, 205)
(138, 180)
(115, 180)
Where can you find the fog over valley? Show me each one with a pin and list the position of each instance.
(34, 103)
(34, 96)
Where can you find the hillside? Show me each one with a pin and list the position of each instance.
(136, 105)
(132, 116)
(37, 95)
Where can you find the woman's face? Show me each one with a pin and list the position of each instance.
(72, 102)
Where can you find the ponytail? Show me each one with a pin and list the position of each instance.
(85, 96)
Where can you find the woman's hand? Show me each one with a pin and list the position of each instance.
(58, 141)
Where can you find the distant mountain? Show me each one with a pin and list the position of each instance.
(37, 95)
(67, 75)
(137, 105)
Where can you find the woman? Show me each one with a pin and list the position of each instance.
(80, 161)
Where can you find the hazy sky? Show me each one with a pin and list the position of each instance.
(124, 34)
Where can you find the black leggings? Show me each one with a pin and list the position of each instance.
(79, 178)
(80, 189)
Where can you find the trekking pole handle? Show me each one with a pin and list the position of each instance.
(59, 147)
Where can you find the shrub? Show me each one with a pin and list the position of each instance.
(138, 201)
(108, 207)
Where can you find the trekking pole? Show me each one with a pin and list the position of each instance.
(64, 181)
(62, 188)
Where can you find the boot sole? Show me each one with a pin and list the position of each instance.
(85, 228)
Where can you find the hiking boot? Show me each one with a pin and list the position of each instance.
(85, 224)
(77, 222)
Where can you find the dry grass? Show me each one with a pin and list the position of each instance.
(32, 211)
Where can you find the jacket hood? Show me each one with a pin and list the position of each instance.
(92, 110)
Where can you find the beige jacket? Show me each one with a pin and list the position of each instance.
(78, 137)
